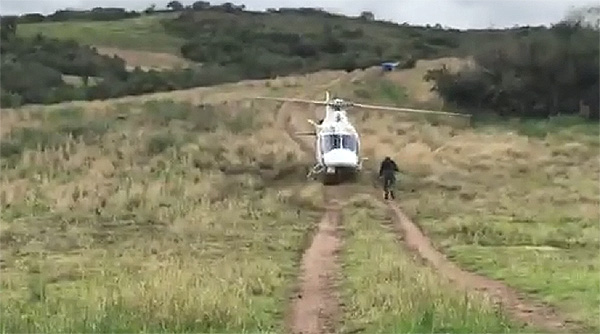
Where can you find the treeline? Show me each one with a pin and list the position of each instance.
(33, 71)
(116, 13)
(528, 71)
(95, 14)
(230, 48)
(33, 68)
(538, 73)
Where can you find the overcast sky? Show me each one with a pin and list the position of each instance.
(462, 14)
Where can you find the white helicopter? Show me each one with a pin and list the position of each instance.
(337, 145)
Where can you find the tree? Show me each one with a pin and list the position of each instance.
(175, 6)
(200, 5)
(368, 16)
(150, 9)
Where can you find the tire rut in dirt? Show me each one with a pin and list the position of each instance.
(315, 310)
(316, 307)
(518, 306)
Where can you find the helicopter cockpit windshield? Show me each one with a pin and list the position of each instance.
(335, 141)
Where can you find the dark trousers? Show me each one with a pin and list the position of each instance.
(389, 180)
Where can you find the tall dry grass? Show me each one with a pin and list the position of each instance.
(181, 218)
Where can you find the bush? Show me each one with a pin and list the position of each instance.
(160, 143)
(541, 74)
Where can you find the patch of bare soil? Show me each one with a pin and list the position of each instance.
(517, 305)
(146, 60)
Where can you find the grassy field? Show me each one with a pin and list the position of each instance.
(389, 291)
(144, 33)
(161, 216)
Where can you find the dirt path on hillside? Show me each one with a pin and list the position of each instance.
(146, 59)
(316, 307)
(516, 304)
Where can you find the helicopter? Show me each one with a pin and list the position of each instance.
(337, 144)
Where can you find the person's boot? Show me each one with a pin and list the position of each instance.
(385, 195)
(392, 194)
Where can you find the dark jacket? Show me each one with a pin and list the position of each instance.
(388, 167)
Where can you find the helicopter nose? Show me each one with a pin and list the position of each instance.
(341, 158)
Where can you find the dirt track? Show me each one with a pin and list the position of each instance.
(315, 308)
(316, 311)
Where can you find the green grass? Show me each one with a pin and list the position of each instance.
(568, 127)
(389, 291)
(562, 277)
(143, 33)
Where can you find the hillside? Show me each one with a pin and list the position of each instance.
(208, 45)
(189, 212)
(163, 199)
(229, 47)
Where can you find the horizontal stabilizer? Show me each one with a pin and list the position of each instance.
(306, 133)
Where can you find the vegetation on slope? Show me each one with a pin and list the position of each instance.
(226, 64)
(33, 71)
(234, 44)
(143, 33)
(533, 74)
(288, 40)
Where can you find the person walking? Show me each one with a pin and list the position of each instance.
(387, 171)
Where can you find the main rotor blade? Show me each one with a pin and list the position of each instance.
(409, 110)
(284, 99)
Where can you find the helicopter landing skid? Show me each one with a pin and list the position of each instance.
(360, 164)
(317, 169)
